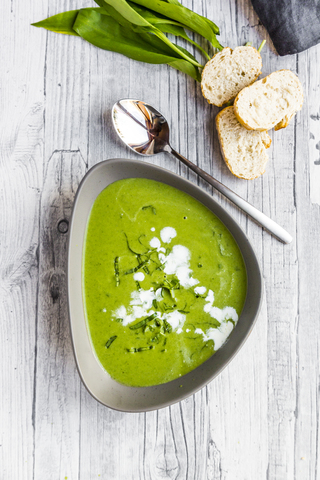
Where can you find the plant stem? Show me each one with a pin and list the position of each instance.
(176, 49)
(261, 46)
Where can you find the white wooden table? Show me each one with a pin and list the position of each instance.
(260, 418)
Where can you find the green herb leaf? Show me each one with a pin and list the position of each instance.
(167, 325)
(142, 323)
(116, 271)
(135, 269)
(131, 350)
(144, 349)
(61, 23)
(131, 15)
(191, 20)
(167, 25)
(154, 211)
(110, 341)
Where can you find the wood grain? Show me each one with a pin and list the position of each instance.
(260, 418)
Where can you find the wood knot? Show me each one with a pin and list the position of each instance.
(63, 226)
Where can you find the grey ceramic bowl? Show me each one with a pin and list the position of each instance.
(95, 378)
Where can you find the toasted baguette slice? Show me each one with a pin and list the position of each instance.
(270, 102)
(228, 72)
(244, 151)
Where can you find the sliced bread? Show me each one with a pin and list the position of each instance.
(270, 102)
(228, 72)
(244, 151)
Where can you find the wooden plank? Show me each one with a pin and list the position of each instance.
(310, 64)
(57, 406)
(307, 410)
(21, 127)
(57, 417)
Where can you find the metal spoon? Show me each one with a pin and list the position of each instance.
(146, 131)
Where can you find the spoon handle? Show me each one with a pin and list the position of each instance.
(262, 219)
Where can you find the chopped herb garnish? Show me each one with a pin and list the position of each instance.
(110, 341)
(116, 271)
(140, 349)
(146, 269)
(199, 265)
(167, 326)
(143, 235)
(128, 245)
(142, 323)
(161, 266)
(155, 339)
(167, 308)
(143, 349)
(175, 284)
(138, 285)
(135, 269)
(154, 211)
(119, 320)
(138, 325)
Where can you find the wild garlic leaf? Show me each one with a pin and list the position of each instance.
(166, 25)
(183, 15)
(61, 23)
(105, 32)
(130, 14)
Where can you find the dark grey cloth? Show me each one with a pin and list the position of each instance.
(293, 25)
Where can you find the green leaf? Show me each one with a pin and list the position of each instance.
(167, 25)
(105, 32)
(186, 17)
(127, 12)
(61, 23)
(131, 15)
(180, 32)
(110, 341)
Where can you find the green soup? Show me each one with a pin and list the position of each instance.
(164, 282)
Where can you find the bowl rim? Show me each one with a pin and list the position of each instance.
(228, 221)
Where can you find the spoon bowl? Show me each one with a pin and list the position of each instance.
(146, 131)
(140, 127)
